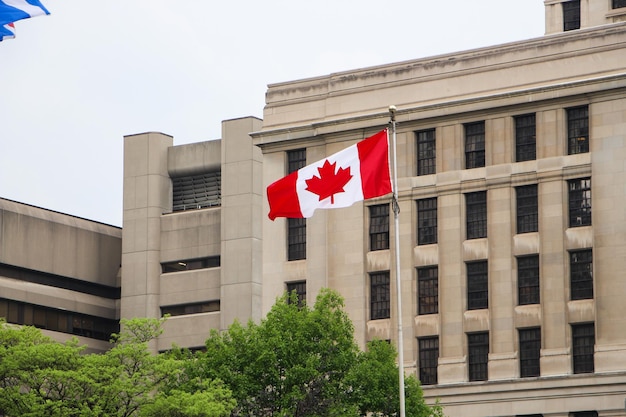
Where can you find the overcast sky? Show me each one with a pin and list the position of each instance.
(75, 82)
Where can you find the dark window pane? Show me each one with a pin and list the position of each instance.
(476, 215)
(528, 279)
(380, 296)
(192, 308)
(197, 191)
(427, 221)
(529, 352)
(579, 201)
(577, 129)
(617, 4)
(478, 356)
(581, 274)
(571, 15)
(527, 209)
(296, 159)
(583, 341)
(190, 264)
(296, 239)
(428, 290)
(379, 227)
(475, 145)
(428, 359)
(300, 289)
(426, 156)
(477, 285)
(525, 139)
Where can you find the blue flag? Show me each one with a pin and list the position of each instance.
(14, 10)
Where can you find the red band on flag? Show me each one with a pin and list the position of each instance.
(283, 198)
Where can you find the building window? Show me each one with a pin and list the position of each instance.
(379, 227)
(296, 239)
(190, 264)
(296, 228)
(577, 130)
(528, 280)
(476, 214)
(197, 191)
(581, 274)
(475, 145)
(618, 4)
(427, 221)
(428, 358)
(299, 288)
(379, 294)
(571, 15)
(527, 209)
(529, 352)
(583, 341)
(426, 158)
(478, 355)
(428, 290)
(525, 138)
(477, 285)
(579, 198)
(192, 308)
(584, 414)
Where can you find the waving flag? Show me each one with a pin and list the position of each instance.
(14, 10)
(7, 32)
(356, 173)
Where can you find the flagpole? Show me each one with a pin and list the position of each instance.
(396, 213)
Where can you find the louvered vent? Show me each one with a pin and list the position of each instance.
(197, 191)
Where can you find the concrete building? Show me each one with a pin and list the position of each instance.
(511, 285)
(60, 273)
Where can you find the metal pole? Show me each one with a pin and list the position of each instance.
(396, 213)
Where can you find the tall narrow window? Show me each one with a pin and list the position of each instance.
(379, 227)
(528, 279)
(525, 138)
(426, 159)
(579, 202)
(477, 285)
(197, 191)
(581, 274)
(527, 209)
(529, 352)
(476, 214)
(583, 341)
(380, 296)
(475, 145)
(428, 290)
(617, 4)
(299, 288)
(428, 359)
(571, 15)
(577, 130)
(478, 355)
(296, 228)
(427, 221)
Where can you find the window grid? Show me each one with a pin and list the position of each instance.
(529, 352)
(583, 341)
(527, 209)
(380, 307)
(525, 138)
(577, 129)
(428, 359)
(299, 288)
(428, 290)
(296, 228)
(476, 215)
(478, 355)
(379, 227)
(427, 221)
(528, 280)
(581, 274)
(571, 15)
(477, 285)
(475, 145)
(426, 152)
(579, 199)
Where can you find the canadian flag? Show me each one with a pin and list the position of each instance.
(356, 173)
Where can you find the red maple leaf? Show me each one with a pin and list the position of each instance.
(328, 183)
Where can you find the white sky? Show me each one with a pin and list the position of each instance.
(75, 82)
